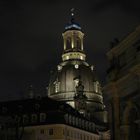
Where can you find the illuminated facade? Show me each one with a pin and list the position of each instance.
(58, 131)
(44, 118)
(74, 108)
(72, 70)
(122, 90)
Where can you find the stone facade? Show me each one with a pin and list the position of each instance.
(73, 69)
(43, 118)
(74, 108)
(122, 89)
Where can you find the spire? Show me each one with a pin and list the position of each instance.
(72, 11)
(73, 40)
(72, 15)
(72, 25)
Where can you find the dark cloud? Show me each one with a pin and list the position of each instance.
(31, 41)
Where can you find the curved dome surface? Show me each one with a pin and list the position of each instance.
(62, 85)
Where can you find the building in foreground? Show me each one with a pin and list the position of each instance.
(74, 108)
(44, 118)
(122, 90)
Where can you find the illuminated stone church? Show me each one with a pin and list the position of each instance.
(74, 108)
(74, 69)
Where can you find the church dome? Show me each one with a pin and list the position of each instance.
(63, 82)
(74, 77)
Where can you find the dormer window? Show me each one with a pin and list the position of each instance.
(57, 86)
(96, 86)
(78, 43)
(34, 118)
(42, 117)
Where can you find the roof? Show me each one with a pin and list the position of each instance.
(72, 26)
(32, 105)
(56, 113)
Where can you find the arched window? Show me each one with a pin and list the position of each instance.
(34, 118)
(42, 117)
(68, 43)
(25, 119)
(78, 43)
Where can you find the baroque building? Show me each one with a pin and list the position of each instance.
(122, 90)
(74, 108)
(44, 118)
(74, 69)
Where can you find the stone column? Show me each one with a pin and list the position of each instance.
(113, 101)
(116, 110)
(125, 132)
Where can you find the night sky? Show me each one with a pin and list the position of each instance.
(31, 38)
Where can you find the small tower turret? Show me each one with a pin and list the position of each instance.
(83, 93)
(73, 41)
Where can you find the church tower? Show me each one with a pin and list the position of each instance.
(74, 69)
(73, 41)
